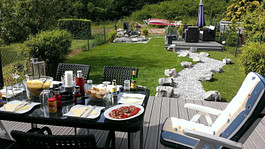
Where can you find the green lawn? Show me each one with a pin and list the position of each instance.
(152, 59)
(228, 82)
(76, 44)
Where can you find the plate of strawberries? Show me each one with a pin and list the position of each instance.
(123, 112)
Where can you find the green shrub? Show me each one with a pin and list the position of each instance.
(79, 28)
(180, 30)
(145, 32)
(98, 40)
(112, 35)
(253, 57)
(254, 24)
(231, 35)
(51, 47)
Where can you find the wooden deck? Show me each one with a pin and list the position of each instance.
(201, 45)
(158, 109)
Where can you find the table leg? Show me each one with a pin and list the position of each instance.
(142, 138)
(111, 137)
(130, 140)
(34, 125)
(75, 131)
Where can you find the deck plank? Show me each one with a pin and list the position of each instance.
(158, 109)
(173, 107)
(208, 104)
(147, 114)
(183, 112)
(164, 114)
(154, 124)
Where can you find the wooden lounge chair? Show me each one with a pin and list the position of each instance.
(231, 128)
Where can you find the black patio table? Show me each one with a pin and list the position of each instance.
(37, 116)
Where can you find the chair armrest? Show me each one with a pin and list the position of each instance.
(203, 109)
(212, 140)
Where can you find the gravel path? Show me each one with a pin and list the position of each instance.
(187, 85)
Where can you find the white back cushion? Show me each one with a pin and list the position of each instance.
(237, 104)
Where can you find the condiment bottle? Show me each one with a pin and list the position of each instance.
(114, 92)
(77, 95)
(1, 100)
(134, 81)
(80, 82)
(52, 105)
(58, 97)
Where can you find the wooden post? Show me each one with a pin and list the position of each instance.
(1, 72)
(88, 32)
(237, 41)
(104, 34)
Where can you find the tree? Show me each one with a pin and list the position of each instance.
(254, 23)
(239, 8)
(20, 18)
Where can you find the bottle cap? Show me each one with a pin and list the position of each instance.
(114, 82)
(79, 74)
(134, 72)
(51, 99)
(56, 89)
(77, 87)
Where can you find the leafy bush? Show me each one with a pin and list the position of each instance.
(79, 28)
(179, 10)
(253, 57)
(112, 35)
(145, 32)
(51, 47)
(231, 35)
(98, 40)
(20, 18)
(254, 24)
(180, 30)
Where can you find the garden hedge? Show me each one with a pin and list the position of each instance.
(253, 57)
(79, 28)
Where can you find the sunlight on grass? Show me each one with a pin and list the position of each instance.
(152, 59)
(229, 81)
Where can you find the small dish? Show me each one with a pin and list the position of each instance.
(132, 98)
(17, 102)
(97, 109)
(108, 111)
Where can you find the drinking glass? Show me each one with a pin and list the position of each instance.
(126, 85)
(44, 96)
(89, 84)
(9, 93)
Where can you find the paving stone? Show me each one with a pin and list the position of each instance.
(164, 91)
(212, 96)
(166, 82)
(186, 64)
(171, 72)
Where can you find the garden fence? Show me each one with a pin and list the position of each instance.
(12, 62)
(99, 36)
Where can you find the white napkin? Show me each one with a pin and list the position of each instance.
(132, 98)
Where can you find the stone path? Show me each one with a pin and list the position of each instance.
(187, 84)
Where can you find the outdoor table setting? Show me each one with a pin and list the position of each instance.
(95, 106)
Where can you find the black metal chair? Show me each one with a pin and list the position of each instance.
(118, 73)
(7, 144)
(26, 140)
(62, 67)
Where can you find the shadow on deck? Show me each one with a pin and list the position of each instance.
(158, 109)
